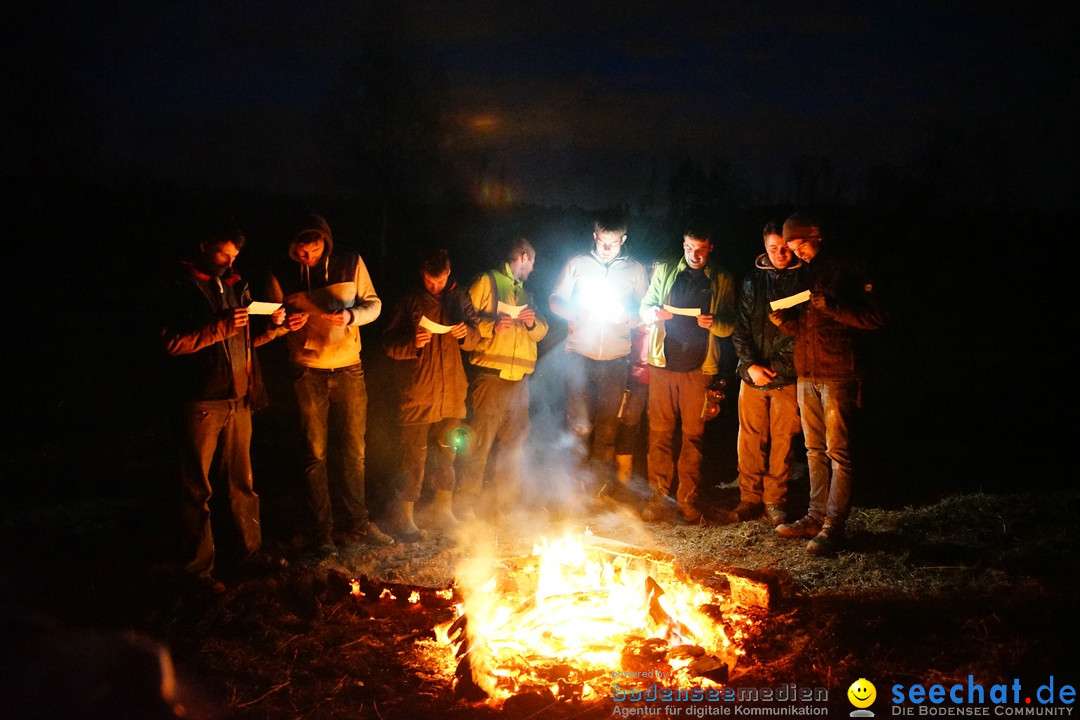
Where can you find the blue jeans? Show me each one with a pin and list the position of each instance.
(334, 402)
(827, 410)
(221, 427)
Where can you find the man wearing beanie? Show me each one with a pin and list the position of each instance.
(328, 295)
(828, 330)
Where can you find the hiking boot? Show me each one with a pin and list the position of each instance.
(748, 510)
(659, 509)
(808, 527)
(372, 535)
(776, 514)
(690, 514)
(412, 536)
(828, 540)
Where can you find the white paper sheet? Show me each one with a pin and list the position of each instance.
(511, 310)
(432, 326)
(262, 308)
(790, 300)
(688, 312)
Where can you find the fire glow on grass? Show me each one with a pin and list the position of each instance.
(578, 616)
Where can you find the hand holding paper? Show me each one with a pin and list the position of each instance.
(790, 300)
(432, 326)
(262, 308)
(511, 310)
(688, 312)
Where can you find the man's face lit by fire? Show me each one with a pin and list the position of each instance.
(219, 257)
(778, 251)
(806, 247)
(608, 244)
(309, 248)
(436, 283)
(696, 251)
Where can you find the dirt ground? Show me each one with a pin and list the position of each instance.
(971, 584)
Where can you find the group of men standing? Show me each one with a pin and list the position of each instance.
(797, 323)
(628, 330)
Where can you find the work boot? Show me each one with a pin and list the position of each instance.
(442, 512)
(775, 513)
(624, 468)
(747, 510)
(659, 509)
(689, 513)
(372, 535)
(406, 524)
(828, 540)
(808, 527)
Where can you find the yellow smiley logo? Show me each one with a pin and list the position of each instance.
(862, 693)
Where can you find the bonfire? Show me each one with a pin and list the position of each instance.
(583, 617)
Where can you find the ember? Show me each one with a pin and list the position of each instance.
(582, 614)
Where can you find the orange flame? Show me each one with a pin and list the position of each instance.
(586, 611)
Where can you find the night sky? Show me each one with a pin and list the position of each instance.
(507, 105)
(551, 103)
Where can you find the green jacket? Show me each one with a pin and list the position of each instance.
(722, 308)
(512, 353)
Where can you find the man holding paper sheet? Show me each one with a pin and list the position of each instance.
(684, 355)
(768, 406)
(328, 295)
(498, 391)
(206, 330)
(598, 294)
(828, 331)
(432, 323)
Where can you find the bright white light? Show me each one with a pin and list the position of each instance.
(601, 301)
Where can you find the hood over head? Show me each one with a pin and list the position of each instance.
(310, 222)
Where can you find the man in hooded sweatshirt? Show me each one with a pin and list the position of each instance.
(328, 295)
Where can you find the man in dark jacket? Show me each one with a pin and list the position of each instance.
(768, 406)
(828, 330)
(431, 325)
(206, 329)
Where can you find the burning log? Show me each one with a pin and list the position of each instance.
(573, 617)
(748, 588)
